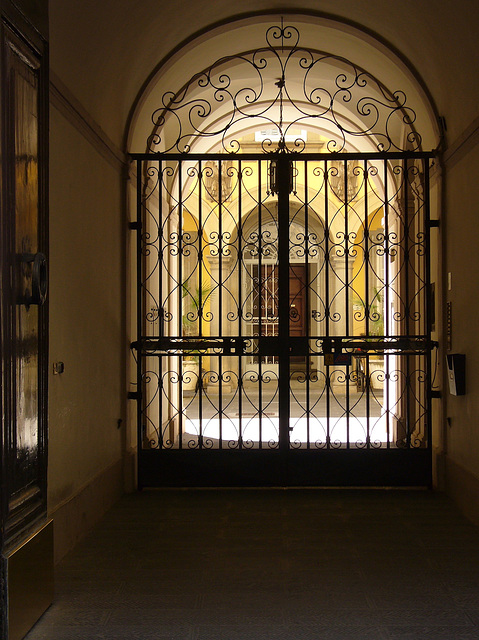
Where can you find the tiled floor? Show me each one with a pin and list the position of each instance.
(271, 565)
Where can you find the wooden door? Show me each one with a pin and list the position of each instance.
(26, 541)
(297, 311)
(24, 281)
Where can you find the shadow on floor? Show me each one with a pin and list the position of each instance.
(271, 565)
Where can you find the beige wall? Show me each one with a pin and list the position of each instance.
(462, 238)
(104, 51)
(101, 54)
(86, 325)
(463, 264)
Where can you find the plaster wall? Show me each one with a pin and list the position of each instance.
(462, 237)
(105, 51)
(86, 318)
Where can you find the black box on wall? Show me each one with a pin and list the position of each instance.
(456, 373)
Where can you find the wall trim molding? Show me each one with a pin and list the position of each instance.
(65, 102)
(463, 487)
(469, 139)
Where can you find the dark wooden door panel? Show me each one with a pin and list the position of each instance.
(24, 316)
(297, 303)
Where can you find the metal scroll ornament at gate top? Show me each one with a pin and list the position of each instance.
(335, 95)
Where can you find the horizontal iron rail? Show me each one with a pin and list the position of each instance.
(416, 344)
(168, 346)
(399, 155)
(272, 345)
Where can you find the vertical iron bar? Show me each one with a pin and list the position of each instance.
(367, 249)
(367, 391)
(367, 260)
(239, 258)
(346, 245)
(220, 299)
(428, 302)
(180, 301)
(408, 400)
(408, 300)
(200, 300)
(307, 305)
(241, 298)
(283, 302)
(387, 247)
(327, 303)
(386, 296)
(259, 293)
(406, 248)
(139, 317)
(347, 284)
(161, 359)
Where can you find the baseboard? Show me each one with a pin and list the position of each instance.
(463, 487)
(74, 518)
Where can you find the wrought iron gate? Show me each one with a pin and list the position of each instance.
(283, 319)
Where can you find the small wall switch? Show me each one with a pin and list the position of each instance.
(58, 367)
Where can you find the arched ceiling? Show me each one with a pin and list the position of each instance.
(105, 51)
(280, 80)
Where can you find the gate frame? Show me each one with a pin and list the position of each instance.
(284, 466)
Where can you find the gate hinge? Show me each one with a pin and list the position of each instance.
(436, 393)
(434, 224)
(134, 226)
(134, 395)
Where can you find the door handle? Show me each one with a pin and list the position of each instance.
(37, 292)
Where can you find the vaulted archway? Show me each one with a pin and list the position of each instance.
(297, 135)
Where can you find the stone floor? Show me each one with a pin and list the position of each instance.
(271, 565)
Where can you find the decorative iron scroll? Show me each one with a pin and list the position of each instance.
(331, 409)
(282, 88)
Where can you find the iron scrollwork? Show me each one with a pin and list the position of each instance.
(215, 365)
(336, 95)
